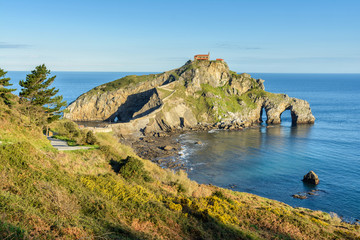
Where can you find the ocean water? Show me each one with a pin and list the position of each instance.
(271, 161)
(72, 84)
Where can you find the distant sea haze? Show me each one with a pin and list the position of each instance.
(271, 161)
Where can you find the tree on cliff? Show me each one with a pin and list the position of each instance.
(38, 99)
(5, 93)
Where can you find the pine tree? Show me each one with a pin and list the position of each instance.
(5, 93)
(42, 106)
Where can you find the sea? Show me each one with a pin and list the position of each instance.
(270, 161)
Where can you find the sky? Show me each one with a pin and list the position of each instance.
(304, 36)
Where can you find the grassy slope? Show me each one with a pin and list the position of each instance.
(48, 194)
(220, 102)
(121, 83)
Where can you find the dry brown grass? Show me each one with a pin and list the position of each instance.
(107, 139)
(83, 162)
(58, 201)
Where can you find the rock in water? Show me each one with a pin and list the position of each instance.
(299, 196)
(311, 177)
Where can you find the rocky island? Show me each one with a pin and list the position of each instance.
(200, 94)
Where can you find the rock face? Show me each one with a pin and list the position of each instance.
(200, 93)
(311, 178)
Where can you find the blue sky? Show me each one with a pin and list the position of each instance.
(252, 36)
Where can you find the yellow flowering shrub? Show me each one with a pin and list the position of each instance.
(319, 222)
(213, 206)
(175, 207)
(116, 190)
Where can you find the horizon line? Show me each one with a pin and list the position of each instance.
(79, 71)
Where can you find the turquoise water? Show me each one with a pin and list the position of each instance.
(270, 162)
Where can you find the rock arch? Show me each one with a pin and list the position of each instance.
(299, 109)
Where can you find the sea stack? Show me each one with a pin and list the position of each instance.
(311, 178)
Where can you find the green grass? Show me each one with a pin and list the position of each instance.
(233, 74)
(190, 66)
(70, 142)
(175, 75)
(163, 93)
(219, 102)
(122, 83)
(8, 231)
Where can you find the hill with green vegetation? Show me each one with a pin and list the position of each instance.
(198, 93)
(108, 192)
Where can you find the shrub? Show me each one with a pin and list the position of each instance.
(90, 138)
(175, 207)
(219, 194)
(133, 168)
(181, 188)
(66, 129)
(71, 127)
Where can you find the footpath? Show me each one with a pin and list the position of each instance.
(63, 146)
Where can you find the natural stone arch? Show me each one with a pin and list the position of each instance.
(292, 114)
(299, 109)
(273, 113)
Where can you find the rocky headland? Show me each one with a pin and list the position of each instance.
(199, 95)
